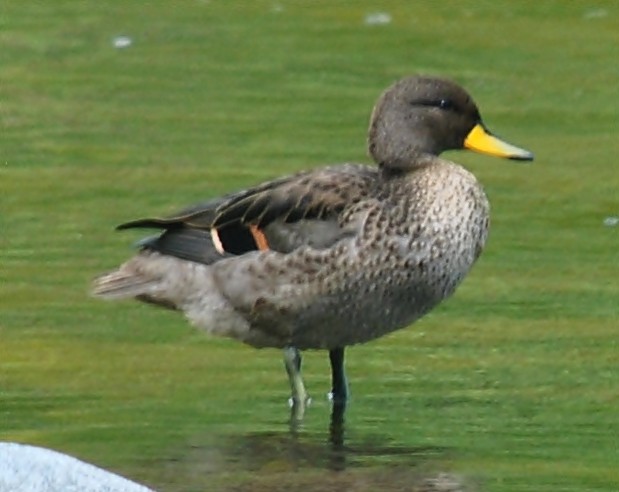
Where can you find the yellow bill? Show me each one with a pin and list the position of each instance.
(481, 140)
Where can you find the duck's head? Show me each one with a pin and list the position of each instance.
(427, 115)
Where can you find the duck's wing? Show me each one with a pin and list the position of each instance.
(283, 214)
(318, 195)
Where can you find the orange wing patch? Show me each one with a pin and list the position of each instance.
(259, 237)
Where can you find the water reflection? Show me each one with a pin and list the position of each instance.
(300, 460)
(338, 455)
(336, 436)
(335, 453)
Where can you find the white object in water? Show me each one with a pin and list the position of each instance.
(611, 221)
(122, 42)
(26, 468)
(377, 19)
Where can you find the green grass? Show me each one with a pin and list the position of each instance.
(512, 384)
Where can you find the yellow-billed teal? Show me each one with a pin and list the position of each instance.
(335, 256)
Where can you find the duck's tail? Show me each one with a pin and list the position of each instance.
(122, 284)
(148, 276)
(176, 284)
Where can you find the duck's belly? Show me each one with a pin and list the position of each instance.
(355, 304)
(371, 308)
(348, 324)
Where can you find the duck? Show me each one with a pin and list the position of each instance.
(333, 256)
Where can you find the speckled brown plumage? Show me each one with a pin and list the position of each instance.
(355, 252)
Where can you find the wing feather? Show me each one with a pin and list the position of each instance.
(293, 211)
(320, 194)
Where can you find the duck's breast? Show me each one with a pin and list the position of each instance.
(415, 246)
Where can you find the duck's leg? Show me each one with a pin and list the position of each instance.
(339, 385)
(299, 399)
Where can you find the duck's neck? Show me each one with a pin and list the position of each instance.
(399, 166)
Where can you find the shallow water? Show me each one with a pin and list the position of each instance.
(296, 458)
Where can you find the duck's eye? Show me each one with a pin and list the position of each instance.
(446, 104)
